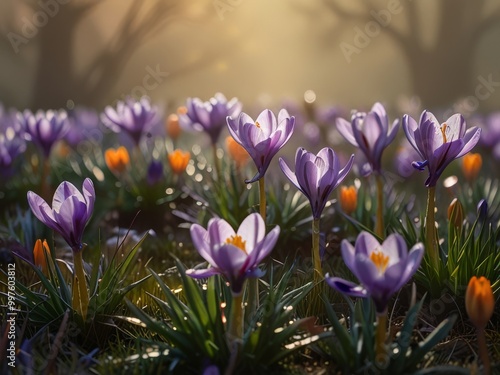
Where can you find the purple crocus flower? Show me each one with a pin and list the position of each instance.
(316, 175)
(209, 116)
(70, 212)
(84, 125)
(235, 255)
(371, 133)
(490, 135)
(262, 138)
(382, 269)
(12, 142)
(155, 172)
(439, 144)
(133, 116)
(44, 128)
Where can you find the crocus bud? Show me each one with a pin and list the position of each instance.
(471, 165)
(236, 151)
(348, 199)
(155, 172)
(172, 126)
(456, 213)
(479, 301)
(179, 160)
(482, 209)
(39, 256)
(117, 160)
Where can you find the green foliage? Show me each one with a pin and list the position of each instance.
(203, 311)
(473, 251)
(46, 302)
(227, 197)
(352, 347)
(289, 209)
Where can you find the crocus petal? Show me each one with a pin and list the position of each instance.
(288, 173)
(348, 254)
(345, 129)
(409, 127)
(89, 195)
(63, 191)
(267, 122)
(366, 243)
(252, 229)
(202, 273)
(40, 208)
(413, 261)
(344, 171)
(256, 177)
(268, 245)
(395, 247)
(219, 231)
(201, 242)
(471, 138)
(393, 278)
(366, 271)
(230, 260)
(346, 287)
(393, 131)
(72, 219)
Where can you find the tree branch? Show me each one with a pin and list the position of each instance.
(110, 63)
(486, 23)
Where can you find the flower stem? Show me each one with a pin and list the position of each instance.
(253, 287)
(216, 161)
(236, 328)
(483, 351)
(318, 273)
(380, 335)
(44, 183)
(262, 198)
(430, 229)
(80, 292)
(379, 225)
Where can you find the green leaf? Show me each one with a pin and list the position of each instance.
(430, 341)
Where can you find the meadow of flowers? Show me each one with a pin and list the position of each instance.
(210, 241)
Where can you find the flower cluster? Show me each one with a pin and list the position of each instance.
(254, 299)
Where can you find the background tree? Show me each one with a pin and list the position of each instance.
(57, 79)
(440, 72)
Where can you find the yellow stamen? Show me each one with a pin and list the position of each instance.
(380, 260)
(443, 132)
(238, 242)
(257, 124)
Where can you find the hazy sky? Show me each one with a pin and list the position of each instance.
(258, 50)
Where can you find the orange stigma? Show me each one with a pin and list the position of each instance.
(380, 260)
(443, 132)
(257, 124)
(237, 241)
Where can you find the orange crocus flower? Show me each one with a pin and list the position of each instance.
(179, 160)
(172, 126)
(471, 165)
(39, 254)
(236, 151)
(117, 160)
(348, 199)
(479, 301)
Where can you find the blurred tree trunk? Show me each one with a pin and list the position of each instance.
(55, 75)
(57, 80)
(440, 73)
(440, 80)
